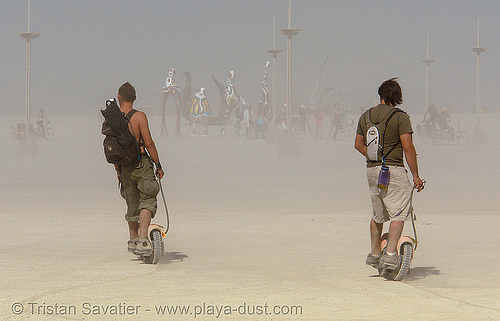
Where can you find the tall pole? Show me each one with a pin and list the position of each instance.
(289, 146)
(478, 131)
(427, 62)
(28, 36)
(289, 33)
(275, 53)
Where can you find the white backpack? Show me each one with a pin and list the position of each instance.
(374, 137)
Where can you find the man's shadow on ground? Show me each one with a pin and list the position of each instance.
(421, 272)
(169, 257)
(418, 273)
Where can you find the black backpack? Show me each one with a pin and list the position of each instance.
(120, 145)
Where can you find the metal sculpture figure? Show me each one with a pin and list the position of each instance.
(326, 93)
(232, 100)
(200, 112)
(265, 107)
(171, 88)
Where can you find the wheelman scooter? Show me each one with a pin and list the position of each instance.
(406, 248)
(156, 233)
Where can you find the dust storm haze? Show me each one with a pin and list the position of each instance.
(87, 49)
(247, 226)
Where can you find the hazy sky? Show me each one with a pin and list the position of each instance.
(87, 49)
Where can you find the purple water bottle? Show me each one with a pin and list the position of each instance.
(383, 177)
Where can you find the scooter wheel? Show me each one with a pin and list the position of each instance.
(398, 273)
(157, 244)
(406, 256)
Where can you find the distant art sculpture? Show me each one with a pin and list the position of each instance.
(265, 107)
(200, 112)
(171, 88)
(232, 100)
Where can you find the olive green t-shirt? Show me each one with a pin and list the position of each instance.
(398, 125)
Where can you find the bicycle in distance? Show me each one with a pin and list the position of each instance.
(43, 131)
(438, 134)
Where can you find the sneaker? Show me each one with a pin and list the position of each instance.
(132, 245)
(389, 260)
(372, 259)
(143, 247)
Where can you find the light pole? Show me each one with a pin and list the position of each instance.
(289, 146)
(289, 33)
(275, 53)
(28, 36)
(478, 134)
(427, 62)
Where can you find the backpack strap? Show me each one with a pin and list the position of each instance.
(140, 143)
(376, 124)
(394, 112)
(129, 117)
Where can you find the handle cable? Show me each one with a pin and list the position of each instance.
(413, 217)
(166, 209)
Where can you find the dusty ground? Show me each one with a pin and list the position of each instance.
(250, 232)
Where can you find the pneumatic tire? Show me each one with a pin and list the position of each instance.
(406, 256)
(157, 244)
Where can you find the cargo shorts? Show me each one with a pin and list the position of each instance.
(139, 188)
(395, 202)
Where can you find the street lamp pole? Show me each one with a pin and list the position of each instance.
(478, 131)
(275, 53)
(289, 146)
(427, 62)
(28, 36)
(289, 33)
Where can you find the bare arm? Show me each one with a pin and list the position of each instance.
(411, 159)
(148, 141)
(359, 144)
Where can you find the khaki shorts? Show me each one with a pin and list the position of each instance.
(395, 202)
(139, 188)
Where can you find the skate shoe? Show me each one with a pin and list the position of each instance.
(132, 245)
(389, 261)
(372, 259)
(143, 247)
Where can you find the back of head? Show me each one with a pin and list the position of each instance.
(127, 92)
(391, 92)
